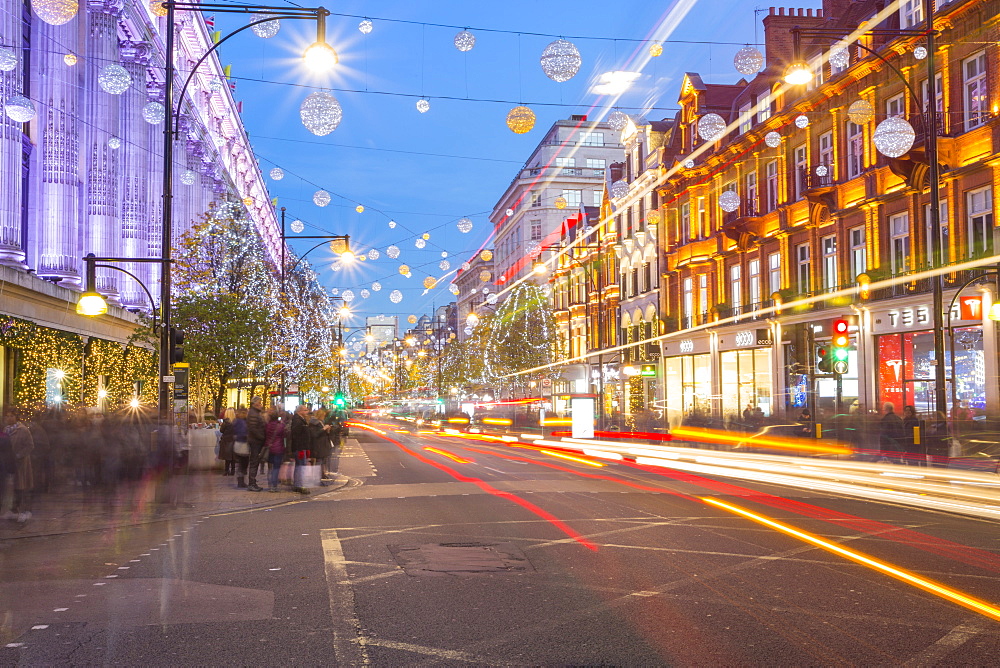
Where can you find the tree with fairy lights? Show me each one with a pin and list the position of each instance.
(306, 346)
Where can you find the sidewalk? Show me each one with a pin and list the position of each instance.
(192, 494)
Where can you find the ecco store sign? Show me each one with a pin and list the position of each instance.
(750, 338)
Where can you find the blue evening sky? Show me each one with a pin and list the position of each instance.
(425, 171)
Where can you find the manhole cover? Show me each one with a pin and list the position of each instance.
(460, 558)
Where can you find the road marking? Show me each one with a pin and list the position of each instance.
(449, 654)
(936, 652)
(348, 641)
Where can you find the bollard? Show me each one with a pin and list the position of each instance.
(819, 430)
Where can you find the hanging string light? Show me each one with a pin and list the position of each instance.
(444, 253)
(298, 226)
(321, 113)
(360, 208)
(655, 49)
(392, 224)
(277, 173)
(560, 60)
(520, 120)
(321, 198)
(392, 252)
(70, 59)
(154, 113)
(114, 79)
(465, 40)
(423, 106)
(464, 225)
(748, 60)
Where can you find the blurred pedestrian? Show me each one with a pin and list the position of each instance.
(226, 439)
(21, 445)
(322, 444)
(275, 440)
(256, 437)
(241, 447)
(911, 423)
(300, 439)
(890, 429)
(961, 419)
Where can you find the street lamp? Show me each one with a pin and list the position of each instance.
(794, 75)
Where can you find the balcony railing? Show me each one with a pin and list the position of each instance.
(748, 209)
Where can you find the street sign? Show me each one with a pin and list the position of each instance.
(648, 370)
(546, 382)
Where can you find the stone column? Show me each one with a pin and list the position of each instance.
(11, 147)
(102, 223)
(153, 134)
(57, 185)
(135, 184)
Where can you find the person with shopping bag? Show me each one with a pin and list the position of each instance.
(275, 442)
(300, 443)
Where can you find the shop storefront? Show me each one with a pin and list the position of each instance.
(745, 379)
(687, 379)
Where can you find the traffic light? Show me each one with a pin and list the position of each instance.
(176, 346)
(339, 401)
(841, 344)
(823, 365)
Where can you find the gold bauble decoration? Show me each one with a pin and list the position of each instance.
(404, 269)
(485, 276)
(70, 59)
(426, 236)
(359, 209)
(412, 319)
(248, 201)
(486, 255)
(655, 49)
(560, 202)
(520, 120)
(430, 282)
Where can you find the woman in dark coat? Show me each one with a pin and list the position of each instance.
(322, 445)
(240, 433)
(226, 439)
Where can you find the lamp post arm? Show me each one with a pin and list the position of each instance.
(149, 295)
(303, 256)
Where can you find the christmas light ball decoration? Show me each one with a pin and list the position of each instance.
(472, 320)
(114, 142)
(19, 108)
(348, 296)
(560, 60)
(321, 198)
(860, 112)
(893, 137)
(395, 296)
(473, 291)
(465, 40)
(277, 174)
(491, 299)
(464, 225)
(801, 121)
(359, 208)
(362, 258)
(365, 294)
(729, 201)
(689, 164)
(920, 52)
(404, 269)
(154, 113)
(821, 170)
(392, 252)
(298, 226)
(430, 282)
(444, 253)
(748, 60)
(619, 188)
(453, 289)
(426, 235)
(560, 202)
(419, 243)
(114, 79)
(509, 212)
(376, 286)
(265, 30)
(534, 249)
(188, 177)
(248, 201)
(840, 58)
(412, 319)
(334, 291)
(423, 106)
(466, 266)
(485, 276)
(520, 120)
(655, 49)
(486, 255)
(157, 8)
(8, 59)
(55, 12)
(467, 330)
(444, 265)
(772, 139)
(486, 290)
(70, 59)
(392, 224)
(617, 120)
(365, 26)
(373, 254)
(320, 113)
(711, 127)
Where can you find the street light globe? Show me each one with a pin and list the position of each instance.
(134, 403)
(92, 304)
(344, 312)
(320, 57)
(797, 74)
(540, 268)
(347, 256)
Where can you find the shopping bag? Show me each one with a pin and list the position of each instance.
(286, 474)
(308, 475)
(241, 448)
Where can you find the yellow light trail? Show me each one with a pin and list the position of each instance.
(777, 442)
(573, 459)
(918, 581)
(448, 455)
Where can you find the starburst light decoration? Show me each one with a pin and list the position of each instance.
(920, 52)
(655, 49)
(419, 243)
(348, 296)
(430, 282)
(404, 269)
(560, 60)
(321, 198)
(55, 12)
(298, 226)
(320, 113)
(772, 139)
(19, 108)
(376, 286)
(188, 177)
(485, 276)
(711, 127)
(277, 174)
(486, 255)
(860, 112)
(840, 58)
(392, 224)
(619, 188)
(464, 225)
(453, 289)
(8, 59)
(801, 121)
(365, 26)
(465, 40)
(266, 30)
(560, 202)
(114, 79)
(154, 113)
(365, 294)
(395, 296)
(70, 59)
(444, 265)
(748, 60)
(893, 137)
(617, 120)
(392, 252)
(114, 142)
(423, 106)
(520, 120)
(729, 201)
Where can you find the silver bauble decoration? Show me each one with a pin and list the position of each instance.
(320, 113)
(277, 173)
(321, 198)
(466, 266)
(348, 296)
(444, 265)
(729, 201)
(893, 137)
(509, 212)
(376, 286)
(619, 188)
(419, 243)
(365, 294)
(748, 60)
(840, 58)
(772, 139)
(19, 108)
(114, 142)
(298, 226)
(465, 40)
(464, 225)
(373, 254)
(188, 177)
(491, 298)
(8, 59)
(392, 224)
(801, 121)
(560, 60)
(267, 29)
(453, 289)
(860, 112)
(395, 296)
(920, 52)
(365, 26)
(154, 113)
(822, 170)
(711, 127)
(689, 164)
(392, 252)
(468, 331)
(617, 120)
(114, 79)
(423, 106)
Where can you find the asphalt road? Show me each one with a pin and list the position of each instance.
(511, 556)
